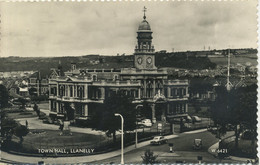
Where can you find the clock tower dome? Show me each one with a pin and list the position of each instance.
(144, 57)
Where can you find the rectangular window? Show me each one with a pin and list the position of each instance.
(99, 93)
(165, 92)
(71, 91)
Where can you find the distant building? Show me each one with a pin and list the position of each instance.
(39, 83)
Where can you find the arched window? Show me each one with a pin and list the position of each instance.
(80, 92)
(149, 89)
(142, 89)
(66, 90)
(159, 86)
(116, 77)
(62, 92)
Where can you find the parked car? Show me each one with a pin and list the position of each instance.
(188, 119)
(196, 119)
(187, 125)
(247, 135)
(47, 120)
(212, 129)
(158, 140)
(145, 122)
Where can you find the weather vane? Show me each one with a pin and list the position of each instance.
(144, 11)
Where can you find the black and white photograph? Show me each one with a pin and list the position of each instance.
(128, 82)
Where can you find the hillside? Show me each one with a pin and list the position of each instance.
(176, 60)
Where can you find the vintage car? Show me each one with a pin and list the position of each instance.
(158, 140)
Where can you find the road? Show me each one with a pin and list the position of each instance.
(182, 147)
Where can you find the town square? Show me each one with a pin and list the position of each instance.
(128, 82)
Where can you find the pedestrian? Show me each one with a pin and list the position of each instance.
(62, 126)
(171, 147)
(35, 107)
(26, 123)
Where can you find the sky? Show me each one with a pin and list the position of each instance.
(45, 29)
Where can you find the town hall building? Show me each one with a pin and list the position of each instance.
(83, 89)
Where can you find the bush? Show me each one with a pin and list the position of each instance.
(21, 131)
(42, 115)
(39, 98)
(82, 123)
(149, 157)
(25, 113)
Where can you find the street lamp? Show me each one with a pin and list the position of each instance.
(122, 137)
(136, 140)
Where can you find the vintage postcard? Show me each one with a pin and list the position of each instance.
(128, 82)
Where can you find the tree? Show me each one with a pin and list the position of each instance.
(219, 112)
(237, 108)
(21, 131)
(35, 107)
(37, 110)
(70, 111)
(7, 127)
(33, 92)
(4, 96)
(22, 101)
(149, 157)
(146, 110)
(104, 119)
(248, 108)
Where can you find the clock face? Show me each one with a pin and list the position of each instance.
(149, 60)
(139, 60)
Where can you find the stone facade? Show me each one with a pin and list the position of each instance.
(83, 89)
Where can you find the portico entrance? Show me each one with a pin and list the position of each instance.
(159, 108)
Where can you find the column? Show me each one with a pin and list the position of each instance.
(86, 91)
(76, 91)
(169, 92)
(50, 105)
(139, 93)
(68, 90)
(153, 113)
(58, 107)
(58, 90)
(85, 110)
(102, 93)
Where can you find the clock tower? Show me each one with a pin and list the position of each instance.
(144, 57)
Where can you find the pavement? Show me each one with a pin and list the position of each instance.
(6, 157)
(35, 123)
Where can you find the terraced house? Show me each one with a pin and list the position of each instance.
(83, 89)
